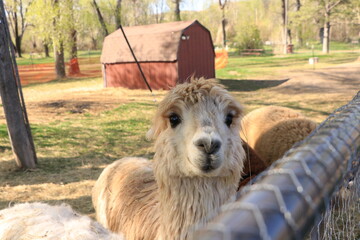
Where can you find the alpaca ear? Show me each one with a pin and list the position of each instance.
(150, 135)
(155, 130)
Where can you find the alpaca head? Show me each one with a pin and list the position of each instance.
(196, 129)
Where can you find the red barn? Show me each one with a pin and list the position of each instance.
(169, 53)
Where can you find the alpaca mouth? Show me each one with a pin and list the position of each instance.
(210, 164)
(207, 168)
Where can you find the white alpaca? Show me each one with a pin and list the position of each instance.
(196, 168)
(273, 130)
(35, 221)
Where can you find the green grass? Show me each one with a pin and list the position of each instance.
(31, 59)
(334, 46)
(38, 58)
(96, 135)
(268, 66)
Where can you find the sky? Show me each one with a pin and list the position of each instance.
(194, 5)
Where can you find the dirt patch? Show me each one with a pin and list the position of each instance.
(62, 106)
(344, 78)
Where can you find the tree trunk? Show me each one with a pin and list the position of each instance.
(93, 43)
(326, 39)
(299, 38)
(101, 19)
(118, 14)
(60, 62)
(73, 44)
(12, 100)
(177, 10)
(223, 24)
(17, 35)
(74, 64)
(222, 5)
(285, 30)
(18, 40)
(46, 50)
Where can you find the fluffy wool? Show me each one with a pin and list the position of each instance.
(273, 130)
(29, 221)
(189, 178)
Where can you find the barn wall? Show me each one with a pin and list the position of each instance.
(160, 75)
(196, 54)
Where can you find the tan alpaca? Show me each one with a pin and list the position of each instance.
(273, 130)
(196, 168)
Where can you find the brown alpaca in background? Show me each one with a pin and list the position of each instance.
(273, 130)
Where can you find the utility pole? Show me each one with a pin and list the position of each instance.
(12, 100)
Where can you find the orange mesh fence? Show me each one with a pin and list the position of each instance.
(221, 58)
(37, 73)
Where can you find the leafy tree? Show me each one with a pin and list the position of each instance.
(57, 25)
(41, 26)
(327, 8)
(321, 11)
(249, 37)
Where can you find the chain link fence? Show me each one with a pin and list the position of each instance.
(312, 192)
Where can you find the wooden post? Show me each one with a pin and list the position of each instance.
(12, 100)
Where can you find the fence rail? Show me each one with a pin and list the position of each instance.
(288, 200)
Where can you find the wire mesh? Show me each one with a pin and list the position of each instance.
(288, 200)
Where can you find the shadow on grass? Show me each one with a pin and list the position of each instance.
(250, 85)
(57, 170)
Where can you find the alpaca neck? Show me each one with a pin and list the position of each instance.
(188, 203)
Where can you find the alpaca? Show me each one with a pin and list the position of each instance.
(41, 221)
(273, 130)
(196, 167)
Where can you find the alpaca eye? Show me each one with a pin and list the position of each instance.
(174, 120)
(229, 119)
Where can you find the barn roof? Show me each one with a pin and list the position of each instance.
(155, 42)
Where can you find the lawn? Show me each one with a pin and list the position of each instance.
(79, 127)
(271, 67)
(39, 58)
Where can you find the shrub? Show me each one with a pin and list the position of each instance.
(248, 37)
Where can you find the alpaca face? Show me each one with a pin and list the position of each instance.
(197, 130)
(206, 131)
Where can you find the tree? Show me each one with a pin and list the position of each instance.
(249, 38)
(41, 27)
(118, 14)
(100, 18)
(159, 8)
(222, 4)
(17, 10)
(74, 64)
(328, 8)
(58, 41)
(176, 8)
(13, 102)
(284, 6)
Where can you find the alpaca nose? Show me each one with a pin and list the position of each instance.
(209, 146)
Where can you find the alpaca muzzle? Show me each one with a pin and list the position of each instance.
(209, 148)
